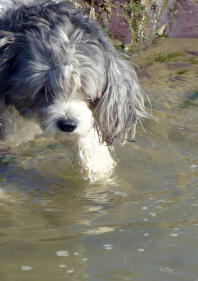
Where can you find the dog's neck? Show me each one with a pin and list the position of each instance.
(94, 159)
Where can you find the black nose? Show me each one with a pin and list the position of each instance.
(66, 125)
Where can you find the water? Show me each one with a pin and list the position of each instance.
(141, 225)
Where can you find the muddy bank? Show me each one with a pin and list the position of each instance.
(170, 64)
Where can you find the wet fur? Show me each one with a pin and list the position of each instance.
(55, 62)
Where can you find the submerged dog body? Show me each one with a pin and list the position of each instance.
(59, 71)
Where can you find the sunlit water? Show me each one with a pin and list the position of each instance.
(142, 225)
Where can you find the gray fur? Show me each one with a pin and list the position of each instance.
(39, 43)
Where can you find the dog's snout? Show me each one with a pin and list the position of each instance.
(66, 125)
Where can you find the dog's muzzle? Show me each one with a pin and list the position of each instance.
(66, 125)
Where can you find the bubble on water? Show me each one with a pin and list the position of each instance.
(141, 250)
(76, 254)
(144, 208)
(152, 214)
(146, 234)
(108, 246)
(164, 201)
(26, 267)
(193, 166)
(122, 194)
(173, 245)
(173, 234)
(84, 259)
(70, 271)
(50, 210)
(62, 253)
(62, 265)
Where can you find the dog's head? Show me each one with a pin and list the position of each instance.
(57, 66)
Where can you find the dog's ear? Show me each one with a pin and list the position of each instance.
(121, 104)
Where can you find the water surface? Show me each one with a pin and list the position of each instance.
(142, 224)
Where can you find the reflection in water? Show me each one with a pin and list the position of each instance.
(140, 225)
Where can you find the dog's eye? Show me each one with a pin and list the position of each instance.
(46, 94)
(43, 91)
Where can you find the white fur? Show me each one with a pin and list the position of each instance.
(96, 163)
(94, 159)
(74, 109)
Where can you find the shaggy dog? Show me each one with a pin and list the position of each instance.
(59, 73)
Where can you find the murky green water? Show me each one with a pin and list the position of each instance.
(142, 225)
